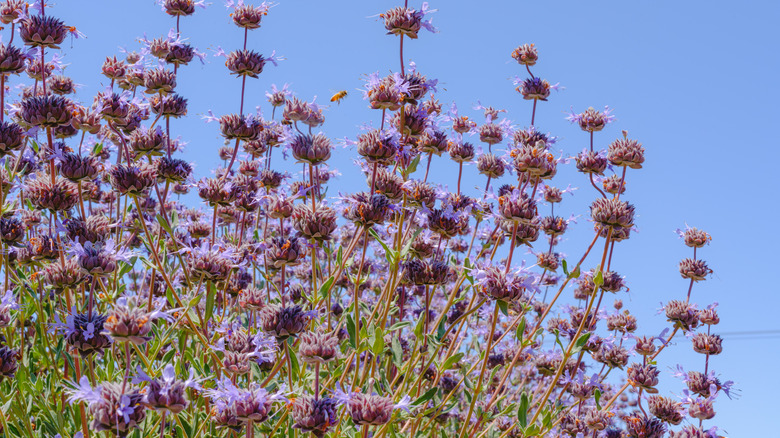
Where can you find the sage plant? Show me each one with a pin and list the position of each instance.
(391, 307)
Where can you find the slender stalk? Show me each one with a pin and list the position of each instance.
(478, 390)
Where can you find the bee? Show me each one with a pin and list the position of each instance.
(338, 96)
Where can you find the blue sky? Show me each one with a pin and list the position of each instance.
(695, 82)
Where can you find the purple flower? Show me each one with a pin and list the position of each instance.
(84, 392)
(8, 302)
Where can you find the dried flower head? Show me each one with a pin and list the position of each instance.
(526, 55)
(315, 416)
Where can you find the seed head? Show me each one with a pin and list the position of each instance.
(85, 334)
(643, 377)
(526, 55)
(694, 269)
(311, 149)
(590, 162)
(592, 120)
(179, 7)
(284, 251)
(12, 60)
(517, 207)
(318, 347)
(639, 425)
(534, 160)
(129, 323)
(238, 127)
(366, 210)
(46, 111)
(11, 230)
(245, 63)
(403, 21)
(372, 410)
(665, 409)
(113, 68)
(689, 431)
(433, 141)
(694, 237)
(8, 362)
(159, 81)
(283, 322)
(424, 272)
(377, 147)
(119, 409)
(318, 225)
(248, 16)
(132, 180)
(702, 408)
(535, 89)
(682, 315)
(625, 152)
(314, 416)
(419, 193)
(707, 344)
(612, 213)
(63, 276)
(60, 196)
(11, 10)
(645, 346)
(171, 105)
(42, 31)
(215, 192)
(172, 169)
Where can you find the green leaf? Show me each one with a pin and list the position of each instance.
(97, 149)
(326, 286)
(441, 331)
(531, 430)
(399, 326)
(520, 330)
(351, 331)
(398, 352)
(418, 329)
(124, 268)
(390, 255)
(503, 307)
(425, 397)
(412, 166)
(169, 356)
(174, 219)
(294, 360)
(575, 273)
(558, 339)
(378, 345)
(597, 396)
(580, 343)
(210, 295)
(522, 410)
(408, 245)
(452, 360)
(164, 224)
(565, 267)
(598, 280)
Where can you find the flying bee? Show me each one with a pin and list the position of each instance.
(338, 96)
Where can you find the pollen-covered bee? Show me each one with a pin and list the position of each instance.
(338, 96)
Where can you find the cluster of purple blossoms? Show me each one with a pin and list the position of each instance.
(445, 311)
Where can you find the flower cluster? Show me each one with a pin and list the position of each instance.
(273, 288)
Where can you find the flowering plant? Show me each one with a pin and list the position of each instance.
(398, 308)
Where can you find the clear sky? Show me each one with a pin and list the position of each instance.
(695, 82)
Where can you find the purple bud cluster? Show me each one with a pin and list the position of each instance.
(397, 306)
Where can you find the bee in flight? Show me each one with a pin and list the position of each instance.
(338, 96)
